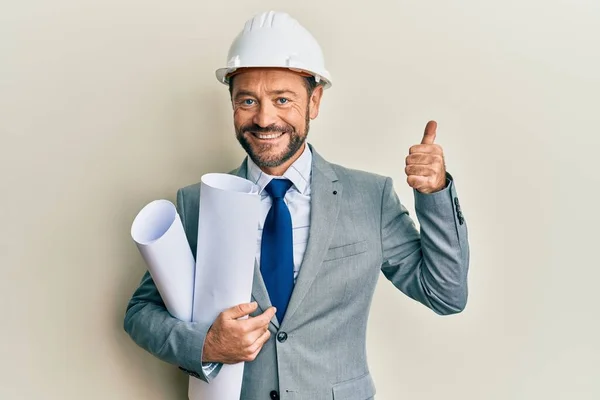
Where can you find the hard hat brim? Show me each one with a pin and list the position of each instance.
(223, 74)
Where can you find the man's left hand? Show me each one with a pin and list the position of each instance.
(425, 165)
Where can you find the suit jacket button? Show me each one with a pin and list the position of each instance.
(456, 201)
(274, 395)
(282, 337)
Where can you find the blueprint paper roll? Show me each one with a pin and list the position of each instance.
(227, 229)
(158, 233)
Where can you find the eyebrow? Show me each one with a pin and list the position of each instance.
(242, 93)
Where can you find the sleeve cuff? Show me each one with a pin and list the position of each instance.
(211, 369)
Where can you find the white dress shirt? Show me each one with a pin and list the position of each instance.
(297, 199)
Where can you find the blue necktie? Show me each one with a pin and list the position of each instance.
(277, 251)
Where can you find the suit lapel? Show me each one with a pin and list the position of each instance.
(324, 211)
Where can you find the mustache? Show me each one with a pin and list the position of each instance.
(266, 129)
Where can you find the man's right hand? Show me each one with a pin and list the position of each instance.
(231, 340)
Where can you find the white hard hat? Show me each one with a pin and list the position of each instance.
(275, 39)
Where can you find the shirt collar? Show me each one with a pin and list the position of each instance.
(299, 173)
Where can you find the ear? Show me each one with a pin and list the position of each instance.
(315, 101)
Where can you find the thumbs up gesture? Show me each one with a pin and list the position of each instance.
(425, 166)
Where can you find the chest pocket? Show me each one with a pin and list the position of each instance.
(361, 388)
(348, 250)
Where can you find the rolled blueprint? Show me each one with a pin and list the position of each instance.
(158, 233)
(227, 229)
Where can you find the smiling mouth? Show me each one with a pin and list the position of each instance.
(268, 136)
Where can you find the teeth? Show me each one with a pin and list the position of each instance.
(270, 136)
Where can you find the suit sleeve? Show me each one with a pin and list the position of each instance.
(152, 327)
(430, 265)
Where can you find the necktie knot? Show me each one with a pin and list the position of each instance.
(277, 188)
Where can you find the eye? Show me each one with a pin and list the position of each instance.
(282, 100)
(248, 102)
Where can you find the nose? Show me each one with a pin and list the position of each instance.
(265, 115)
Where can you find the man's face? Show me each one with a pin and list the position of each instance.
(271, 114)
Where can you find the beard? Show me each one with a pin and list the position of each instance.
(260, 153)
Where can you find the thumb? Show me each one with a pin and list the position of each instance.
(240, 310)
(429, 136)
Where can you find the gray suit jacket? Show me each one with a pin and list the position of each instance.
(358, 228)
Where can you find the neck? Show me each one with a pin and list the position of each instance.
(280, 169)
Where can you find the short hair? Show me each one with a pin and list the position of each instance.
(309, 82)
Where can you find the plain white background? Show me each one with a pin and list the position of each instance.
(107, 105)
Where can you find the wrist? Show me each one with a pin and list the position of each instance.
(207, 356)
(442, 185)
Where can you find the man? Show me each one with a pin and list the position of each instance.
(325, 234)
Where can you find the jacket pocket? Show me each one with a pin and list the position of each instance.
(360, 388)
(347, 250)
